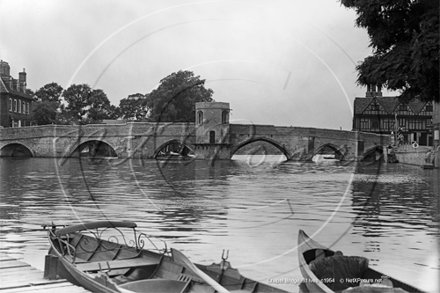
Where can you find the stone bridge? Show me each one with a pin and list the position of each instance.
(302, 143)
(146, 140)
(117, 140)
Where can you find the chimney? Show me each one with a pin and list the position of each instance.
(15, 84)
(373, 90)
(369, 92)
(379, 90)
(22, 80)
(4, 69)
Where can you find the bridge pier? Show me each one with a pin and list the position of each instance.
(359, 147)
(213, 151)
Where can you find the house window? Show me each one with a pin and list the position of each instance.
(19, 106)
(416, 124)
(200, 117)
(212, 136)
(404, 110)
(24, 108)
(27, 108)
(427, 111)
(357, 123)
(387, 124)
(428, 122)
(224, 117)
(375, 124)
(10, 105)
(15, 105)
(365, 124)
(402, 122)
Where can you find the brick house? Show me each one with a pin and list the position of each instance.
(378, 114)
(15, 103)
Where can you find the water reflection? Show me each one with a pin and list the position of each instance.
(394, 201)
(386, 213)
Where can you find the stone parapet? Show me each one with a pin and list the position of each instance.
(138, 139)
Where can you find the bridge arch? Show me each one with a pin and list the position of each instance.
(175, 146)
(265, 139)
(94, 148)
(16, 149)
(323, 149)
(373, 153)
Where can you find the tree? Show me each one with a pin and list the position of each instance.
(44, 113)
(47, 104)
(30, 92)
(175, 98)
(405, 39)
(100, 107)
(85, 105)
(112, 112)
(134, 107)
(50, 92)
(77, 98)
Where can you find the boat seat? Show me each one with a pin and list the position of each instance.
(339, 267)
(116, 264)
(156, 285)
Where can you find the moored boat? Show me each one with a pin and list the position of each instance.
(99, 257)
(325, 270)
(325, 159)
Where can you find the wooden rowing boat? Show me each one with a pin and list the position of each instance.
(325, 270)
(99, 257)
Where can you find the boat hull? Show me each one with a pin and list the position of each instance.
(65, 270)
(307, 250)
(106, 266)
(311, 282)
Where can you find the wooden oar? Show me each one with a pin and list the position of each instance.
(180, 257)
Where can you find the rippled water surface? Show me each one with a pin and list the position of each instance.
(252, 207)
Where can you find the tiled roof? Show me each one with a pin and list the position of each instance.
(388, 103)
(5, 88)
(416, 105)
(360, 104)
(2, 86)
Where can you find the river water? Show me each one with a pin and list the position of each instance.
(252, 207)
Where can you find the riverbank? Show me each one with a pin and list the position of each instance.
(417, 156)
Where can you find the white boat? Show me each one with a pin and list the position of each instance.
(324, 159)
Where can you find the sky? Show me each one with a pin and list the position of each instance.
(278, 62)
